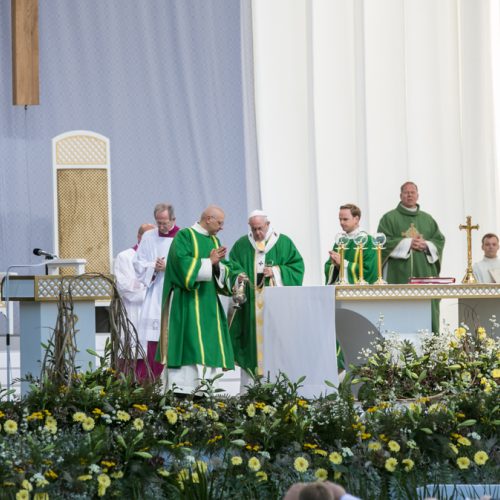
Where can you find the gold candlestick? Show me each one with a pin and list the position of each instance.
(341, 279)
(379, 240)
(380, 280)
(469, 275)
(360, 241)
(361, 280)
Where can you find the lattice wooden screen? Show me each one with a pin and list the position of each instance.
(83, 204)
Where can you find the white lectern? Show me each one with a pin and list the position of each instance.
(38, 297)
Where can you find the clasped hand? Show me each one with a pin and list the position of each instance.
(334, 257)
(419, 244)
(217, 254)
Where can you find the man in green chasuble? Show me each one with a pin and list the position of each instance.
(268, 258)
(349, 216)
(194, 330)
(414, 245)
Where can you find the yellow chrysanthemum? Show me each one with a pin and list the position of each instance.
(393, 446)
(408, 464)
(236, 460)
(138, 424)
(495, 373)
(480, 457)
(23, 495)
(460, 332)
(26, 485)
(251, 410)
(122, 415)
(481, 333)
(79, 416)
(171, 415)
(321, 474)
(118, 474)
(337, 475)
(41, 496)
(321, 453)
(88, 424)
(374, 446)
(10, 426)
(300, 464)
(254, 464)
(104, 480)
(84, 477)
(50, 474)
(464, 441)
(463, 462)
(140, 407)
(390, 464)
(453, 448)
(335, 458)
(261, 476)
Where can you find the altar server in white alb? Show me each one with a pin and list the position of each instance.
(149, 264)
(488, 269)
(132, 291)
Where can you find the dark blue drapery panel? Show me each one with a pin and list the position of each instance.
(162, 80)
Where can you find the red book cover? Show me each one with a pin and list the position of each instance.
(431, 280)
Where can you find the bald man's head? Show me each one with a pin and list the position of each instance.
(143, 228)
(212, 219)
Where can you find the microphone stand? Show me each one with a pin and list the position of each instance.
(7, 309)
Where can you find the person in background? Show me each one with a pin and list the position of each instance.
(131, 290)
(487, 270)
(149, 265)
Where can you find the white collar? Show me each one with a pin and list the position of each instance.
(199, 229)
(266, 237)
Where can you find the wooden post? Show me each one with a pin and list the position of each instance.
(25, 67)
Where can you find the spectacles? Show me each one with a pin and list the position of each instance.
(163, 222)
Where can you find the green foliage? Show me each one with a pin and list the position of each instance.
(106, 436)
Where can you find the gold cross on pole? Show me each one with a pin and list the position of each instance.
(469, 276)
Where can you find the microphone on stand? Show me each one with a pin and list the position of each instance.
(43, 253)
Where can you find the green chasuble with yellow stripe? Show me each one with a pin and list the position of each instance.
(279, 252)
(194, 326)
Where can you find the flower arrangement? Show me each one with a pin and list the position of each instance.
(105, 436)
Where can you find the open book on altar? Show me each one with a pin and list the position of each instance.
(431, 280)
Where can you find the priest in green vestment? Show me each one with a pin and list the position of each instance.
(349, 217)
(194, 333)
(414, 245)
(268, 258)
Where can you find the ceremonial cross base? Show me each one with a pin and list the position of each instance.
(469, 275)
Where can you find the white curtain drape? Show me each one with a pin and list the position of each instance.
(355, 97)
